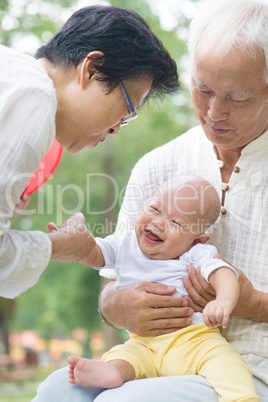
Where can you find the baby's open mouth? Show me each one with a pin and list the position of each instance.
(152, 237)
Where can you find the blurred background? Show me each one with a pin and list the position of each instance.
(59, 316)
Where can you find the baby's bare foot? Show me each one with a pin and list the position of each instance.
(93, 373)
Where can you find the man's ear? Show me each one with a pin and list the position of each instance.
(88, 69)
(202, 238)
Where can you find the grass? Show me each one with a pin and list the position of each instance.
(24, 391)
(18, 397)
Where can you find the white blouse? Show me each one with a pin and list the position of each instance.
(28, 106)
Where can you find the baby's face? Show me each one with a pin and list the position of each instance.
(168, 226)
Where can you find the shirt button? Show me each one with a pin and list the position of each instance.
(224, 211)
(225, 187)
(236, 169)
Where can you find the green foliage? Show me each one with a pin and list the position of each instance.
(66, 295)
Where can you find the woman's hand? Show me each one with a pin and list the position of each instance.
(146, 309)
(73, 241)
(24, 201)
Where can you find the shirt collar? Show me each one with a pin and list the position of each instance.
(257, 145)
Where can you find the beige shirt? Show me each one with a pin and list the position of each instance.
(28, 105)
(241, 232)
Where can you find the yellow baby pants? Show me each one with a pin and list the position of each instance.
(192, 350)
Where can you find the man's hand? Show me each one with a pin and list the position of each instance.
(251, 304)
(146, 309)
(199, 291)
(73, 241)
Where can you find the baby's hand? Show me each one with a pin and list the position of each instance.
(216, 313)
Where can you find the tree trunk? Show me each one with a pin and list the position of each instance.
(4, 332)
(7, 309)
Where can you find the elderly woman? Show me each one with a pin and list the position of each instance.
(86, 82)
(229, 82)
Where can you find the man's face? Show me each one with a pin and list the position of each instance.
(230, 97)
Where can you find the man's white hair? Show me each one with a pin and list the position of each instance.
(229, 23)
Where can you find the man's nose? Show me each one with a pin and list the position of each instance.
(218, 109)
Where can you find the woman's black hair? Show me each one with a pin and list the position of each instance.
(129, 46)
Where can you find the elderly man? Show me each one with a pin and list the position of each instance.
(229, 82)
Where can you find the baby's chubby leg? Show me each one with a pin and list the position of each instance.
(95, 373)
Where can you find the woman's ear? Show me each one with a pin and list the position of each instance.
(202, 238)
(88, 69)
